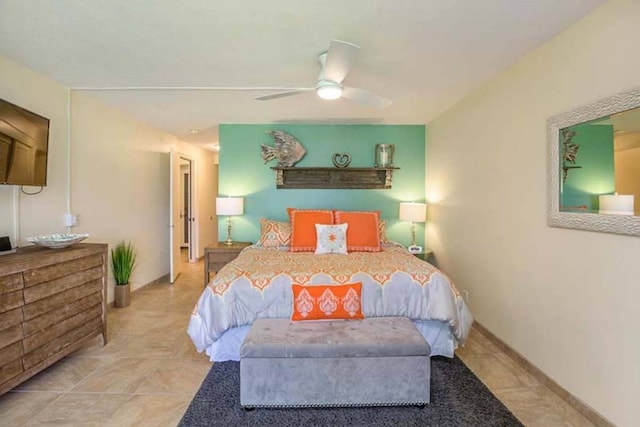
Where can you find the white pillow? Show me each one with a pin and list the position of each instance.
(332, 239)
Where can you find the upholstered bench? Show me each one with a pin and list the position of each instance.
(381, 361)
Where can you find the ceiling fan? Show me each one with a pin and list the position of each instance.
(335, 64)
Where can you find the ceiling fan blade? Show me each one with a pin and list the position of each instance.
(340, 56)
(365, 97)
(283, 94)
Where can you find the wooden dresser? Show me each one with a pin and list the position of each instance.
(52, 301)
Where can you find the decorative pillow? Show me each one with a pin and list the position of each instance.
(363, 234)
(382, 229)
(303, 227)
(320, 302)
(274, 233)
(332, 239)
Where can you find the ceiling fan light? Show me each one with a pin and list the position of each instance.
(329, 92)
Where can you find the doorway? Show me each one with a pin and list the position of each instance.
(185, 208)
(182, 224)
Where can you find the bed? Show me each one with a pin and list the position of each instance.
(258, 284)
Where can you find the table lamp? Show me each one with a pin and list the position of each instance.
(616, 204)
(229, 206)
(414, 212)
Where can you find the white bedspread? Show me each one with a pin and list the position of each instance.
(258, 284)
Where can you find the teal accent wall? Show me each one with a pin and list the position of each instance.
(242, 172)
(597, 174)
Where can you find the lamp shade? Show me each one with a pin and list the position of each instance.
(229, 206)
(614, 204)
(414, 212)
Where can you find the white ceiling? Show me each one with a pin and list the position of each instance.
(423, 54)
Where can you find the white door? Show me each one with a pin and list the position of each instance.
(174, 218)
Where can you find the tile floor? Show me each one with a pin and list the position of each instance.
(148, 372)
(530, 401)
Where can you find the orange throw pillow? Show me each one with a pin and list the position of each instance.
(363, 233)
(320, 302)
(303, 227)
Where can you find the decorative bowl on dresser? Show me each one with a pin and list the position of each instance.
(51, 303)
(57, 241)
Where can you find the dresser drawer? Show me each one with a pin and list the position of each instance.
(53, 317)
(60, 270)
(60, 299)
(10, 283)
(51, 348)
(53, 332)
(214, 267)
(46, 289)
(10, 370)
(11, 317)
(11, 300)
(10, 335)
(11, 352)
(222, 257)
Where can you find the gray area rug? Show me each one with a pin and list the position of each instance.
(458, 398)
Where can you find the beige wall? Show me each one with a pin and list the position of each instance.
(119, 184)
(567, 300)
(49, 99)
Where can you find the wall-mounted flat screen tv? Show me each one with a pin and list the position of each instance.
(24, 141)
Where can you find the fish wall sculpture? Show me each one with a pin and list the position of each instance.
(287, 150)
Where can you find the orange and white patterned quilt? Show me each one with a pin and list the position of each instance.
(258, 284)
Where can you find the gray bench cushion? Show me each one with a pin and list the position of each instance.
(373, 337)
(375, 361)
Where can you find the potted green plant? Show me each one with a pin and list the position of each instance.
(123, 262)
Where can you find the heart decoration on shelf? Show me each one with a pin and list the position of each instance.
(341, 160)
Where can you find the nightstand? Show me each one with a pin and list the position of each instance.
(425, 255)
(217, 255)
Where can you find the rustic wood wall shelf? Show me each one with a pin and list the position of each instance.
(337, 178)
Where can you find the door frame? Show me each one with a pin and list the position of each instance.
(186, 210)
(175, 202)
(193, 223)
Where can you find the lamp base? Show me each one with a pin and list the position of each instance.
(228, 242)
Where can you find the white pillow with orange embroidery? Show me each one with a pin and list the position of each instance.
(332, 239)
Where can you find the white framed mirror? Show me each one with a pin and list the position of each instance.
(593, 169)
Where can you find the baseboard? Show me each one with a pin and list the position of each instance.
(588, 412)
(161, 279)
